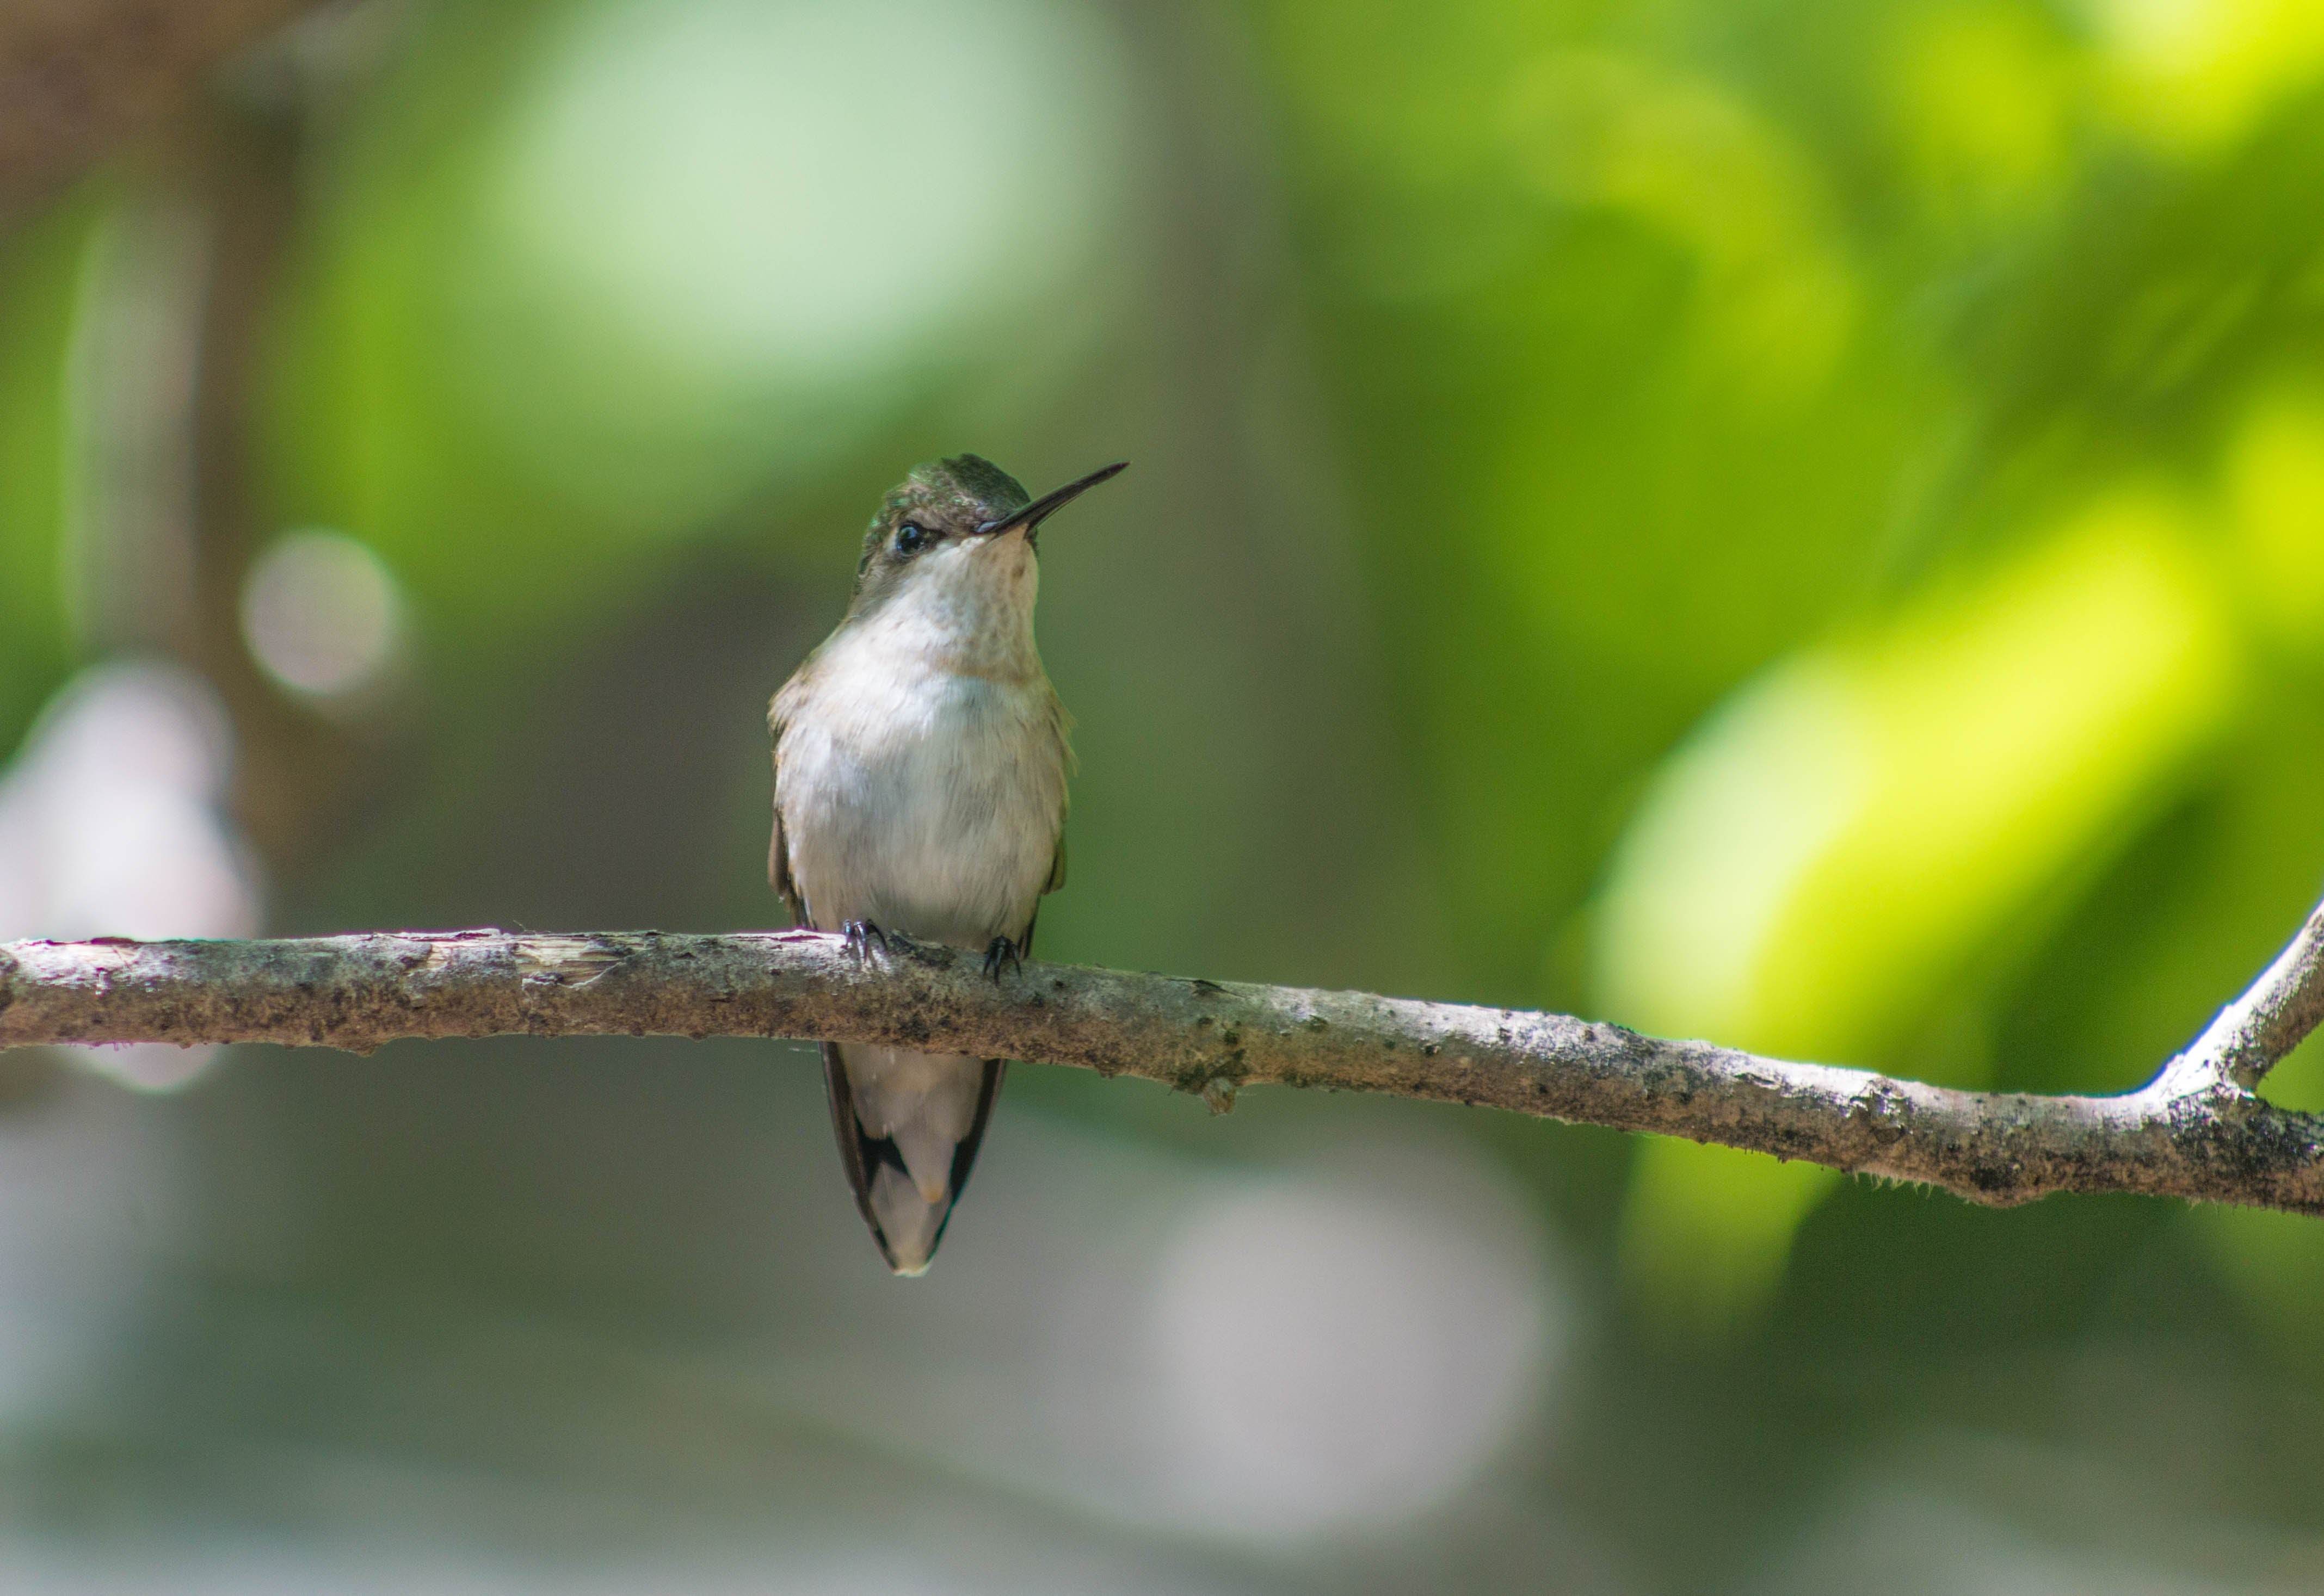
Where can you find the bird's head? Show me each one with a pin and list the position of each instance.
(955, 541)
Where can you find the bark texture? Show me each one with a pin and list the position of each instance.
(2196, 1130)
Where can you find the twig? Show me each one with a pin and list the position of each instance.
(2252, 1034)
(2196, 1131)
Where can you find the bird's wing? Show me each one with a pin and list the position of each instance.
(1061, 728)
(1057, 880)
(778, 853)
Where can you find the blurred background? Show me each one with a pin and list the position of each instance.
(1788, 521)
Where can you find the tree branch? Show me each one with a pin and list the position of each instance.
(2196, 1131)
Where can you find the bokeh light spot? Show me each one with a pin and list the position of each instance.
(716, 239)
(322, 615)
(2194, 74)
(1329, 1359)
(782, 181)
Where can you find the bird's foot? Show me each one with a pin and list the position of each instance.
(999, 956)
(861, 934)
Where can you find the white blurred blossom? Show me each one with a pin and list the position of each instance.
(111, 825)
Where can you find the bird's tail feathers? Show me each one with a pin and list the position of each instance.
(909, 1126)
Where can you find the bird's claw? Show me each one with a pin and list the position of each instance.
(859, 935)
(999, 956)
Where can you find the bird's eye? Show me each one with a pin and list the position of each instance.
(909, 537)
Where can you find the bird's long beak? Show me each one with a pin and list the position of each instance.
(1048, 504)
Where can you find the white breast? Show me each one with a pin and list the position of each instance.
(923, 801)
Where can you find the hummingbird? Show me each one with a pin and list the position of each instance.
(920, 764)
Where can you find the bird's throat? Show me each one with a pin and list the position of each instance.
(968, 612)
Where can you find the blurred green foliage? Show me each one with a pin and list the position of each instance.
(1860, 458)
(41, 269)
(1792, 521)
(1831, 497)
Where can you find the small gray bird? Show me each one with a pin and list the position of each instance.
(920, 764)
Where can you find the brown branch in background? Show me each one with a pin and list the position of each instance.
(78, 78)
(298, 774)
(168, 396)
(2194, 1132)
